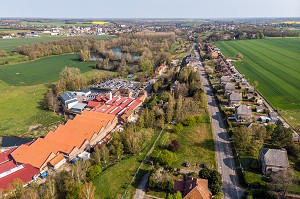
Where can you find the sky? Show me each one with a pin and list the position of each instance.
(149, 8)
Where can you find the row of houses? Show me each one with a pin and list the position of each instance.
(66, 143)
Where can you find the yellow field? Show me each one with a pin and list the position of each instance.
(99, 22)
(288, 22)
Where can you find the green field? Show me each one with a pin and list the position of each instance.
(11, 44)
(40, 71)
(274, 63)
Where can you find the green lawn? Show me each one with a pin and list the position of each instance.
(196, 146)
(55, 23)
(40, 71)
(22, 108)
(11, 44)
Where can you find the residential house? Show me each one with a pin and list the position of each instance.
(260, 109)
(229, 87)
(68, 100)
(274, 117)
(225, 79)
(243, 113)
(84, 93)
(193, 188)
(161, 69)
(235, 99)
(273, 160)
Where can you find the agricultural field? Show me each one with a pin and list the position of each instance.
(274, 63)
(11, 44)
(40, 71)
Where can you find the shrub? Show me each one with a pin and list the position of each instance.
(189, 121)
(167, 158)
(174, 145)
(178, 128)
(93, 172)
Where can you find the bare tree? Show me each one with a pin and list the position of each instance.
(52, 101)
(87, 191)
(281, 181)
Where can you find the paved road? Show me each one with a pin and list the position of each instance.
(224, 155)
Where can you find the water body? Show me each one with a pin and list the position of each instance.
(9, 141)
(118, 53)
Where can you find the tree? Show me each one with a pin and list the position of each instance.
(117, 148)
(170, 108)
(70, 78)
(282, 136)
(16, 188)
(174, 146)
(155, 87)
(281, 182)
(189, 121)
(242, 137)
(214, 179)
(167, 158)
(176, 195)
(87, 191)
(93, 171)
(52, 101)
(146, 65)
(104, 153)
(178, 128)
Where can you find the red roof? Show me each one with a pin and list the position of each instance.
(93, 104)
(4, 156)
(119, 101)
(7, 166)
(126, 102)
(101, 98)
(110, 102)
(26, 174)
(135, 104)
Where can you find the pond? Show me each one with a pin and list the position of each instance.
(118, 53)
(9, 141)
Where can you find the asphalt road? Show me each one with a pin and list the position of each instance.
(224, 155)
(140, 191)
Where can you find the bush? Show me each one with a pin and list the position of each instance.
(189, 121)
(174, 146)
(93, 172)
(178, 128)
(167, 158)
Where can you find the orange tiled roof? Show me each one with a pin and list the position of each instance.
(31, 155)
(57, 159)
(53, 146)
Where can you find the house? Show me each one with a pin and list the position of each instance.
(274, 117)
(225, 79)
(260, 109)
(235, 99)
(193, 188)
(242, 113)
(229, 87)
(214, 54)
(161, 69)
(273, 160)
(67, 100)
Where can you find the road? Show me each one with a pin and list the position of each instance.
(224, 155)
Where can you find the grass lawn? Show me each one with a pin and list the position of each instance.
(11, 44)
(40, 71)
(22, 108)
(196, 146)
(56, 23)
(113, 182)
(292, 116)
